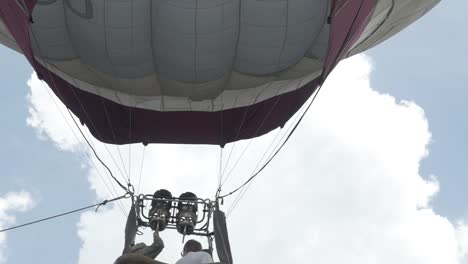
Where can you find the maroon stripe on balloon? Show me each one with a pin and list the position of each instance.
(348, 21)
(110, 122)
(117, 124)
(16, 20)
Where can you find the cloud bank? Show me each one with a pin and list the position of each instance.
(10, 204)
(345, 189)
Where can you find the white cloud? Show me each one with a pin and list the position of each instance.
(462, 238)
(10, 204)
(47, 116)
(346, 188)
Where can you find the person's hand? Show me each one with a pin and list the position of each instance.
(155, 234)
(157, 239)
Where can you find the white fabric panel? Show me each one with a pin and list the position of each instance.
(265, 88)
(116, 39)
(320, 48)
(275, 34)
(128, 37)
(178, 48)
(194, 40)
(389, 18)
(182, 40)
(49, 33)
(195, 55)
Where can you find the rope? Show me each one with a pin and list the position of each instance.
(277, 151)
(97, 156)
(66, 213)
(220, 170)
(81, 132)
(141, 168)
(242, 192)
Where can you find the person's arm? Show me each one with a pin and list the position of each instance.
(136, 258)
(136, 248)
(153, 250)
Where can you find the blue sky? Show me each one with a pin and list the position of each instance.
(54, 177)
(424, 64)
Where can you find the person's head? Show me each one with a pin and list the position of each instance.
(191, 246)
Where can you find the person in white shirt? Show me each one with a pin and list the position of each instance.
(193, 254)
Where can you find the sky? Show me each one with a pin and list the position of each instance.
(374, 174)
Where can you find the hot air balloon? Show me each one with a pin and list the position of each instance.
(198, 72)
(193, 71)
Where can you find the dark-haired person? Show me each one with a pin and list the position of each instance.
(194, 254)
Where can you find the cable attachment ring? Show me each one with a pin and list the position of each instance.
(131, 189)
(101, 204)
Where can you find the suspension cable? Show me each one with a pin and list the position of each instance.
(67, 213)
(249, 143)
(141, 168)
(81, 132)
(238, 134)
(80, 143)
(278, 150)
(242, 192)
(97, 156)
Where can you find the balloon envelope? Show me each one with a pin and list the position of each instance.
(193, 71)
